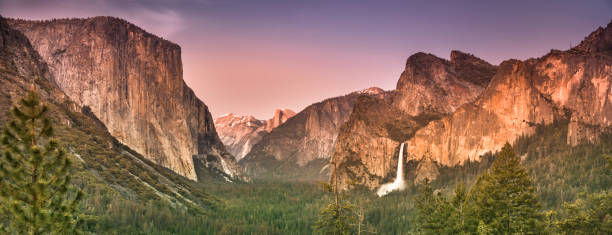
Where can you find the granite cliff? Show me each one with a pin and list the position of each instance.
(132, 81)
(463, 108)
(575, 85)
(303, 145)
(428, 88)
(94, 153)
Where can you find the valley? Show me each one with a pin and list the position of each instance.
(458, 146)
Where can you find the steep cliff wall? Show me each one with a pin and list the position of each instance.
(574, 84)
(428, 88)
(483, 107)
(432, 84)
(132, 81)
(93, 151)
(305, 143)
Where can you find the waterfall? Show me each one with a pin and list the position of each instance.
(398, 183)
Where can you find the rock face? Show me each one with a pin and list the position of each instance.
(17, 55)
(240, 133)
(482, 108)
(95, 154)
(304, 144)
(429, 87)
(432, 84)
(280, 116)
(132, 81)
(573, 84)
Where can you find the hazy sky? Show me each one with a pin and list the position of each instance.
(251, 57)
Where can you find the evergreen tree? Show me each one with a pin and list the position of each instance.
(478, 206)
(338, 216)
(458, 216)
(35, 192)
(435, 215)
(591, 215)
(505, 200)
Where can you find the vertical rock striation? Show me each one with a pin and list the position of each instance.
(428, 88)
(303, 145)
(482, 108)
(133, 83)
(574, 84)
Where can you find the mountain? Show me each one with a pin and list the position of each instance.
(432, 84)
(100, 163)
(133, 82)
(240, 133)
(502, 104)
(303, 145)
(428, 88)
(575, 84)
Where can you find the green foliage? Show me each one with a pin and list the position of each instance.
(506, 199)
(337, 217)
(35, 192)
(500, 202)
(592, 215)
(436, 215)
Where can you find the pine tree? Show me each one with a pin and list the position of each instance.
(436, 215)
(458, 205)
(35, 192)
(338, 216)
(589, 215)
(505, 200)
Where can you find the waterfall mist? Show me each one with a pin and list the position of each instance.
(398, 183)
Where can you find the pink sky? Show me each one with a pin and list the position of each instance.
(252, 57)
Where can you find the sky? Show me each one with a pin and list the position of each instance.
(251, 57)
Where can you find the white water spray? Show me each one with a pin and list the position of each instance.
(398, 183)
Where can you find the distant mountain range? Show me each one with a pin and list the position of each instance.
(240, 133)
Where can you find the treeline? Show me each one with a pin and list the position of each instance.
(503, 201)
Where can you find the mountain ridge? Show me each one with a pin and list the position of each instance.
(240, 133)
(303, 144)
(520, 95)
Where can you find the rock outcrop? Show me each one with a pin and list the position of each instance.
(432, 84)
(280, 116)
(132, 81)
(99, 162)
(480, 107)
(574, 84)
(304, 144)
(241, 133)
(428, 88)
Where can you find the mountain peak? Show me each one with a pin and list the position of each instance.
(422, 59)
(280, 117)
(459, 57)
(371, 91)
(599, 40)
